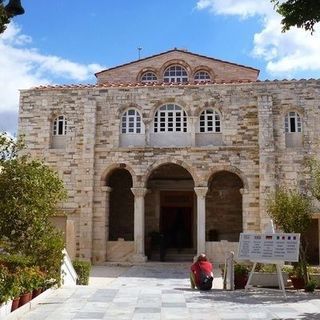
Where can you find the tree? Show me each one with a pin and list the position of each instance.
(300, 13)
(292, 212)
(29, 193)
(13, 8)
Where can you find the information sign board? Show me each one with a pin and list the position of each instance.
(269, 247)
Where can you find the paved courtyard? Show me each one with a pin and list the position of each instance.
(155, 292)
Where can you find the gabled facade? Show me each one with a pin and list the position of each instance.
(172, 154)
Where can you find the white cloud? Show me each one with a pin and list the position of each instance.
(22, 67)
(286, 54)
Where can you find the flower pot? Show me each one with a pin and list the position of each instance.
(36, 292)
(240, 281)
(15, 304)
(297, 282)
(25, 298)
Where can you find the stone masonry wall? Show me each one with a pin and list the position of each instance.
(219, 70)
(253, 142)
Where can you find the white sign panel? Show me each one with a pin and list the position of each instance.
(269, 247)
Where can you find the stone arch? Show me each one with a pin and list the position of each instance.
(120, 211)
(228, 168)
(175, 62)
(108, 171)
(224, 206)
(148, 69)
(204, 68)
(125, 107)
(161, 162)
(177, 102)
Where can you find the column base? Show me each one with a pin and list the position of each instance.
(138, 258)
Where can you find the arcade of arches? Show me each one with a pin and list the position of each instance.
(172, 218)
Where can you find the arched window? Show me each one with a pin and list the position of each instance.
(170, 118)
(148, 77)
(202, 75)
(175, 73)
(131, 122)
(59, 126)
(210, 121)
(292, 122)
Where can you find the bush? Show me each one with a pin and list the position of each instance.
(83, 269)
(15, 261)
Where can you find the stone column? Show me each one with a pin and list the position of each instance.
(139, 194)
(201, 218)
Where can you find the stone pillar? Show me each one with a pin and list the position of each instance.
(101, 227)
(192, 129)
(139, 194)
(245, 207)
(267, 169)
(201, 218)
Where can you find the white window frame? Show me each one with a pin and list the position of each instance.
(148, 76)
(202, 76)
(292, 122)
(210, 121)
(175, 73)
(131, 122)
(60, 126)
(170, 118)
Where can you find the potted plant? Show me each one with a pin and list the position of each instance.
(241, 272)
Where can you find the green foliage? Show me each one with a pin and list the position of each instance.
(290, 210)
(83, 269)
(241, 269)
(15, 261)
(4, 19)
(314, 166)
(300, 13)
(29, 192)
(311, 286)
(48, 254)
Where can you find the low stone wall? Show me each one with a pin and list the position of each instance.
(120, 251)
(216, 251)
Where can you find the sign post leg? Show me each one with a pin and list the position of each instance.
(280, 280)
(250, 277)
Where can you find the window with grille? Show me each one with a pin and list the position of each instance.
(202, 76)
(293, 122)
(175, 73)
(131, 122)
(170, 118)
(210, 121)
(60, 126)
(148, 77)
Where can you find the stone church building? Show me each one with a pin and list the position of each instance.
(172, 155)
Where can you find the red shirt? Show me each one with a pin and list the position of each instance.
(205, 266)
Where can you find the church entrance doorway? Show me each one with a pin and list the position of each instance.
(176, 219)
(170, 215)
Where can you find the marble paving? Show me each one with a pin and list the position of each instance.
(162, 292)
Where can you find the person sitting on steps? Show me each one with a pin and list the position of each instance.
(201, 275)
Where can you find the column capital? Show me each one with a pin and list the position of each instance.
(139, 192)
(106, 189)
(201, 191)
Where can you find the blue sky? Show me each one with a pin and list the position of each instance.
(66, 41)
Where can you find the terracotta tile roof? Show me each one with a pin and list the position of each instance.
(176, 50)
(160, 84)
